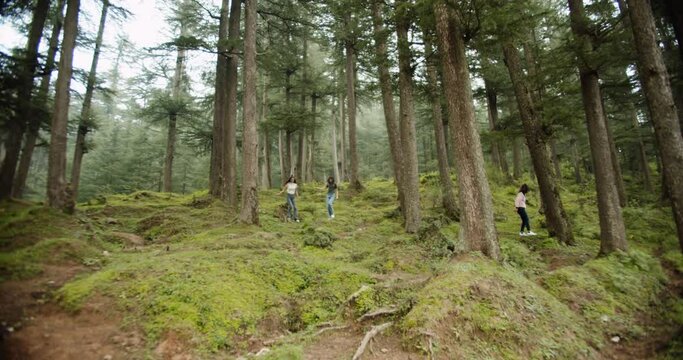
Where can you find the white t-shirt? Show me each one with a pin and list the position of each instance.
(291, 188)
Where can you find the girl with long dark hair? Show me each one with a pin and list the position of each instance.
(520, 205)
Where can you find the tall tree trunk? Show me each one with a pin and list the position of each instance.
(17, 125)
(655, 81)
(249, 211)
(558, 222)
(342, 133)
(86, 118)
(393, 132)
(577, 161)
(230, 142)
(265, 169)
(57, 192)
(614, 157)
(448, 198)
(612, 230)
(41, 100)
(478, 228)
(173, 117)
(335, 159)
(310, 163)
(642, 155)
(411, 182)
(300, 155)
(301, 151)
(219, 107)
(492, 102)
(351, 106)
(281, 153)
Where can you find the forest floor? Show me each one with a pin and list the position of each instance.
(166, 276)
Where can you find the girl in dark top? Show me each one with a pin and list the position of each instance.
(332, 194)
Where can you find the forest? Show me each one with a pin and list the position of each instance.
(341, 179)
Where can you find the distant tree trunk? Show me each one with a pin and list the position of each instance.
(86, 117)
(351, 106)
(288, 153)
(556, 159)
(17, 125)
(173, 116)
(281, 153)
(477, 224)
(335, 159)
(577, 161)
(300, 156)
(57, 191)
(249, 211)
(342, 125)
(411, 187)
(516, 158)
(642, 155)
(41, 101)
(230, 151)
(266, 170)
(219, 107)
(655, 81)
(614, 156)
(393, 132)
(449, 203)
(612, 230)
(310, 163)
(558, 222)
(492, 102)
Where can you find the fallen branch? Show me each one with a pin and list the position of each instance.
(429, 335)
(355, 295)
(368, 336)
(331, 328)
(392, 309)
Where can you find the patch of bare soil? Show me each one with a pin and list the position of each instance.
(34, 327)
(342, 344)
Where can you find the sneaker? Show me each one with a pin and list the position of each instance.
(521, 233)
(531, 233)
(332, 216)
(297, 220)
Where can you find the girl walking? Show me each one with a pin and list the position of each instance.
(520, 205)
(332, 194)
(292, 191)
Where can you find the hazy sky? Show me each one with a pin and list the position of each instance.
(145, 28)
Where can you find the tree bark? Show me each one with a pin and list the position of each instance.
(612, 230)
(41, 101)
(351, 106)
(411, 183)
(265, 169)
(17, 125)
(516, 158)
(219, 108)
(335, 159)
(173, 117)
(558, 223)
(230, 142)
(310, 163)
(448, 198)
(281, 153)
(393, 132)
(56, 173)
(477, 224)
(655, 81)
(86, 117)
(249, 211)
(577, 161)
(342, 133)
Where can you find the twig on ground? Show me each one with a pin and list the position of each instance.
(391, 309)
(368, 336)
(331, 328)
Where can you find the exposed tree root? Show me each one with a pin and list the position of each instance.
(331, 328)
(391, 309)
(355, 295)
(368, 336)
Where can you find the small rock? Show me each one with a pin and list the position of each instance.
(384, 350)
(105, 253)
(107, 357)
(615, 339)
(10, 329)
(604, 318)
(111, 221)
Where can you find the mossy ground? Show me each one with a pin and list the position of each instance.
(230, 288)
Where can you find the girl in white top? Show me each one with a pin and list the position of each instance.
(292, 189)
(520, 206)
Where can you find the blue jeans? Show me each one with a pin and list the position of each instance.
(292, 210)
(330, 201)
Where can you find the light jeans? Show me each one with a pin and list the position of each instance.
(330, 201)
(292, 210)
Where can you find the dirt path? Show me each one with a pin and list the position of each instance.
(34, 327)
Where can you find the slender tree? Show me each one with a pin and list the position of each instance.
(350, 72)
(249, 210)
(477, 224)
(17, 126)
(657, 89)
(86, 117)
(36, 120)
(57, 190)
(219, 106)
(230, 141)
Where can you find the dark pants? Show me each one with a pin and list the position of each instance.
(525, 219)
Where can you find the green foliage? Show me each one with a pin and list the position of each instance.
(318, 237)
